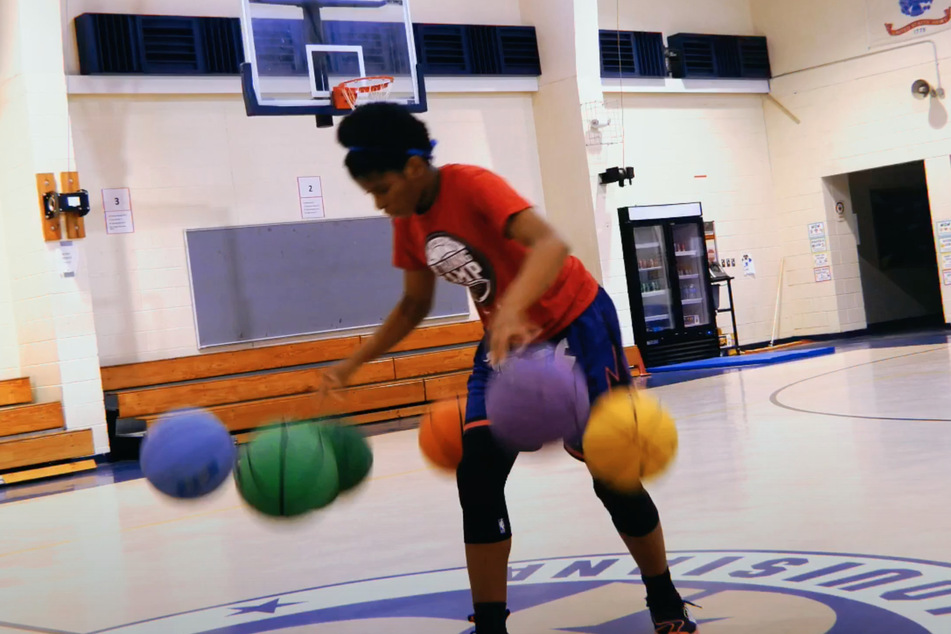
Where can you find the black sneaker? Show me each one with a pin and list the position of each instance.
(472, 619)
(672, 617)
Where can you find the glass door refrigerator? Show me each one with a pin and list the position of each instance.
(668, 279)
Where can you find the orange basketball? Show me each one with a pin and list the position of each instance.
(440, 433)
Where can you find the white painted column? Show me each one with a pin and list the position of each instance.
(52, 317)
(9, 348)
(938, 173)
(568, 45)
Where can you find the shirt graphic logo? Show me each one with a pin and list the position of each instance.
(457, 262)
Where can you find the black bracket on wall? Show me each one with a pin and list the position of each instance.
(617, 175)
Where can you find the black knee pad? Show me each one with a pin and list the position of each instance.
(633, 514)
(481, 478)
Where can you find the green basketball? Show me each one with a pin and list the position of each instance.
(287, 471)
(354, 458)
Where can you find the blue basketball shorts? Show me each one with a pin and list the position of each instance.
(593, 339)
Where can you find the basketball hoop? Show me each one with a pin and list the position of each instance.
(356, 92)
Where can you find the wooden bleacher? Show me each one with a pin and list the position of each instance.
(247, 389)
(33, 440)
(251, 388)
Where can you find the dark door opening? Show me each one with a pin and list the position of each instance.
(897, 260)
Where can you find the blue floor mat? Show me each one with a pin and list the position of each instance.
(736, 361)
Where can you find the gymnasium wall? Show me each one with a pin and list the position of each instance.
(9, 348)
(852, 116)
(199, 161)
(50, 337)
(710, 149)
(730, 17)
(689, 147)
(10, 62)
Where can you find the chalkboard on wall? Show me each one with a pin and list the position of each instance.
(253, 283)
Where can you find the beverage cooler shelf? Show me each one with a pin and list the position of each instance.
(673, 312)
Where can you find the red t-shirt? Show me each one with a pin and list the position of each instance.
(462, 239)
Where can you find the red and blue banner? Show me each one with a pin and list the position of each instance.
(892, 21)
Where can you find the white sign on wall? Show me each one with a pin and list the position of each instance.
(311, 193)
(818, 245)
(310, 187)
(820, 259)
(117, 205)
(943, 227)
(823, 274)
(117, 199)
(311, 208)
(68, 258)
(894, 21)
(119, 222)
(817, 230)
(947, 277)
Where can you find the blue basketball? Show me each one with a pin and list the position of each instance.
(187, 454)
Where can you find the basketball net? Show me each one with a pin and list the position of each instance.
(356, 92)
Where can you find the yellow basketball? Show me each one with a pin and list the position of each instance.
(630, 438)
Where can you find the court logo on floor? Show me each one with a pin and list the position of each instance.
(741, 592)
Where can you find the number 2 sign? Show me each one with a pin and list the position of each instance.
(310, 187)
(311, 197)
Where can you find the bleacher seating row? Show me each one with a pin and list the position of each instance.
(33, 440)
(245, 389)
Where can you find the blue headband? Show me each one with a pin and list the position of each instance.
(426, 154)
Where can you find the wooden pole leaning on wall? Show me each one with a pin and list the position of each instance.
(52, 231)
(75, 225)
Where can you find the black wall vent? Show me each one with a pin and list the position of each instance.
(718, 56)
(179, 45)
(632, 54)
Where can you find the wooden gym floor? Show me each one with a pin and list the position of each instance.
(808, 497)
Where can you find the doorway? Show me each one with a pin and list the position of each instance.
(897, 261)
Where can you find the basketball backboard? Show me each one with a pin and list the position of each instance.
(297, 51)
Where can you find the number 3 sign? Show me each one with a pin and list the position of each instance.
(117, 203)
(116, 200)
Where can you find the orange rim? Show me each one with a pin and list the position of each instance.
(346, 94)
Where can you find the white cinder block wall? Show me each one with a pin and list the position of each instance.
(853, 116)
(710, 149)
(199, 161)
(730, 17)
(9, 349)
(9, 66)
(702, 148)
(52, 326)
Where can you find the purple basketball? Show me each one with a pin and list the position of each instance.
(536, 397)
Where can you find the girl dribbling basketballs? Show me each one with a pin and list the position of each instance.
(469, 226)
